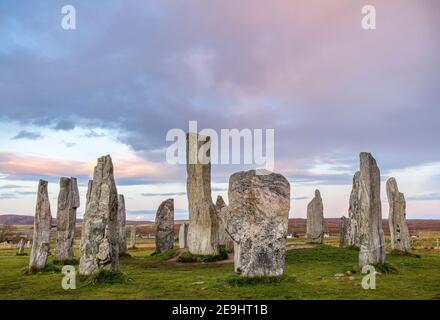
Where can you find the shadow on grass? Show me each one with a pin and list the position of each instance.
(188, 257)
(404, 254)
(240, 281)
(104, 277)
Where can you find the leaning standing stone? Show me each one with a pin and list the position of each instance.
(372, 244)
(133, 236)
(42, 224)
(400, 238)
(223, 236)
(21, 246)
(343, 231)
(354, 213)
(183, 236)
(315, 220)
(257, 218)
(99, 241)
(203, 227)
(165, 226)
(122, 236)
(68, 202)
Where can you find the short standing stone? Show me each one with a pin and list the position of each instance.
(122, 217)
(315, 220)
(354, 213)
(183, 235)
(223, 236)
(343, 231)
(257, 218)
(99, 240)
(203, 227)
(400, 237)
(42, 224)
(68, 202)
(133, 236)
(21, 246)
(372, 244)
(165, 226)
(28, 244)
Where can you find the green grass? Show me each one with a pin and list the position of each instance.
(309, 274)
(188, 257)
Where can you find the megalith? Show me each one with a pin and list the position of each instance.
(21, 245)
(343, 231)
(315, 220)
(122, 233)
(68, 202)
(400, 237)
(183, 236)
(165, 226)
(42, 225)
(133, 236)
(257, 219)
(224, 239)
(99, 239)
(372, 244)
(353, 213)
(203, 226)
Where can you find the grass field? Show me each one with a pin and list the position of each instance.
(309, 274)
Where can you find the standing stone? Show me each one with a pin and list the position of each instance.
(165, 226)
(42, 224)
(372, 244)
(21, 246)
(343, 231)
(68, 202)
(28, 244)
(133, 236)
(99, 241)
(354, 213)
(400, 237)
(203, 227)
(315, 220)
(224, 238)
(183, 236)
(257, 219)
(122, 217)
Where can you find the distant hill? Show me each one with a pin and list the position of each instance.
(296, 225)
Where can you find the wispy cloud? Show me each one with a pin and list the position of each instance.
(169, 194)
(424, 197)
(29, 135)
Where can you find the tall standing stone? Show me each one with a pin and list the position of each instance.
(400, 237)
(183, 236)
(133, 236)
(42, 224)
(122, 233)
(372, 244)
(257, 219)
(68, 202)
(354, 213)
(99, 240)
(21, 246)
(224, 238)
(165, 226)
(343, 231)
(315, 220)
(203, 227)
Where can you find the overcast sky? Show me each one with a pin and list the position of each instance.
(131, 71)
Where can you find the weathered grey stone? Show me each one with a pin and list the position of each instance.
(21, 246)
(122, 233)
(165, 226)
(99, 239)
(28, 244)
(224, 238)
(68, 202)
(133, 236)
(354, 213)
(183, 236)
(203, 227)
(257, 219)
(343, 231)
(400, 237)
(372, 244)
(42, 224)
(315, 220)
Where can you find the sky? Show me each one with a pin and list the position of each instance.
(132, 71)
